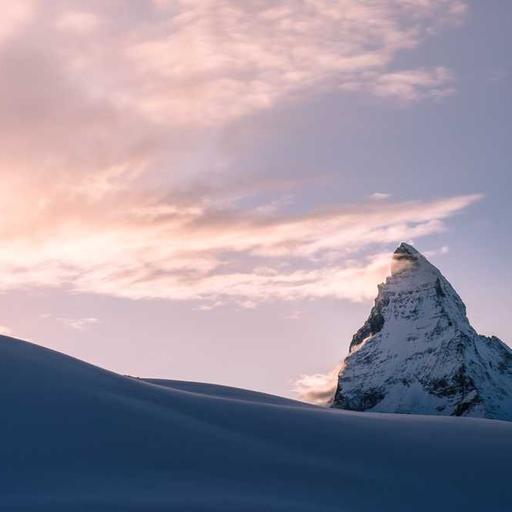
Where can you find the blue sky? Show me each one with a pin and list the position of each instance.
(189, 188)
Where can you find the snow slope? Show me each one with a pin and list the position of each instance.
(74, 437)
(216, 390)
(417, 352)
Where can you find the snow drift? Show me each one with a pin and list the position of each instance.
(74, 437)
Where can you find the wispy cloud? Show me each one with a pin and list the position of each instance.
(195, 254)
(107, 123)
(380, 196)
(78, 324)
(232, 58)
(104, 99)
(15, 15)
(416, 84)
(437, 252)
(318, 388)
(406, 86)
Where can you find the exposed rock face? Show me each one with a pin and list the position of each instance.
(417, 352)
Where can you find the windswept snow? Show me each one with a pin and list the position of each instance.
(74, 437)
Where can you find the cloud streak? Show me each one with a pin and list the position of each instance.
(406, 86)
(199, 254)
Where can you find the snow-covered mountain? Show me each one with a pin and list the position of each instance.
(76, 438)
(417, 352)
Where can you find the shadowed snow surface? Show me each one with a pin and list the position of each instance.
(74, 437)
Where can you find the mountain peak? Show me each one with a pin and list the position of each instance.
(407, 258)
(405, 248)
(418, 353)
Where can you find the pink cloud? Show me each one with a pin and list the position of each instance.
(414, 85)
(14, 16)
(104, 118)
(78, 22)
(198, 254)
(93, 98)
(216, 61)
(318, 388)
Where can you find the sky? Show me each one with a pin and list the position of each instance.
(210, 190)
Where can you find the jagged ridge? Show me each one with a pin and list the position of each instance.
(417, 352)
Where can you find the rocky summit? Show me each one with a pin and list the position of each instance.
(417, 352)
